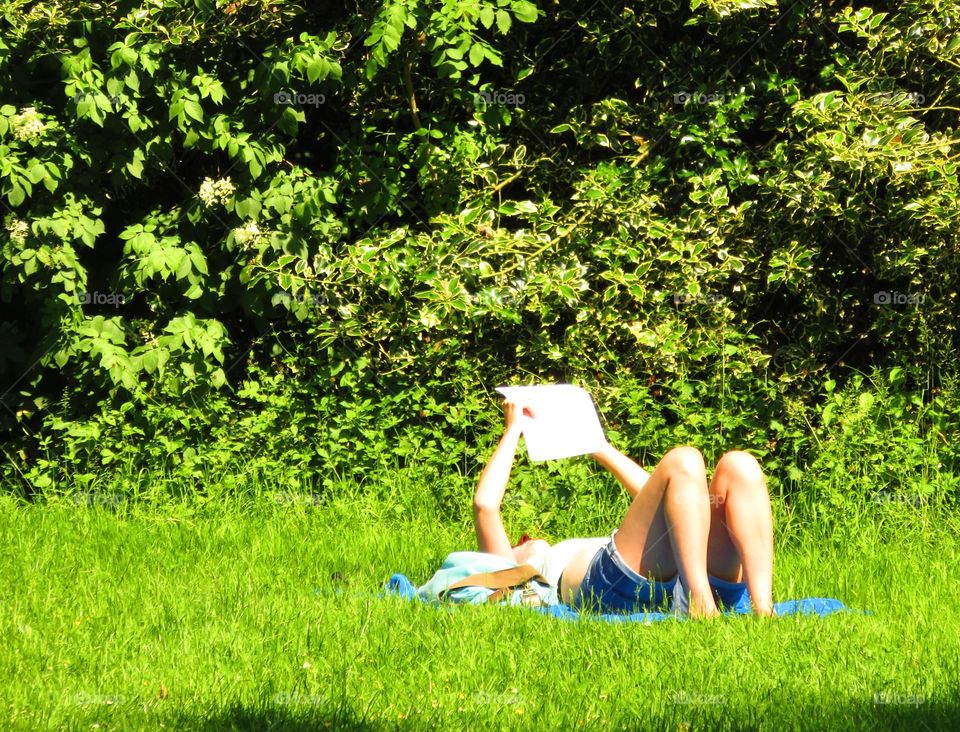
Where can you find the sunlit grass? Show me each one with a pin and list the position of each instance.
(267, 614)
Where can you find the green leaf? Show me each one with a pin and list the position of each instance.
(247, 208)
(16, 195)
(827, 415)
(468, 215)
(876, 20)
(504, 21)
(279, 203)
(150, 361)
(317, 69)
(60, 228)
(36, 172)
(198, 260)
(524, 11)
(719, 197)
(476, 54)
(192, 107)
(135, 166)
(132, 81)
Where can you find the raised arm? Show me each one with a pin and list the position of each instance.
(491, 534)
(631, 476)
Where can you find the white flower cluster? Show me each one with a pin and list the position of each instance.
(16, 228)
(27, 124)
(248, 235)
(217, 191)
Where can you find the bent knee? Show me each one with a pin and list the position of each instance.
(740, 464)
(687, 459)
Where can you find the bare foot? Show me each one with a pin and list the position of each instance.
(702, 606)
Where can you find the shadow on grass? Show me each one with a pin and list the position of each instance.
(933, 715)
(279, 719)
(938, 714)
(920, 716)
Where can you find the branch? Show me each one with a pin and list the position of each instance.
(411, 97)
(497, 188)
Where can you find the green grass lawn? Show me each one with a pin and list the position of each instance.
(267, 616)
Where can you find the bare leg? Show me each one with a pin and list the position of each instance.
(741, 528)
(666, 528)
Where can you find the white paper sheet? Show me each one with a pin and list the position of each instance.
(565, 421)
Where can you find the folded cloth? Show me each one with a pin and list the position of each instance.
(398, 584)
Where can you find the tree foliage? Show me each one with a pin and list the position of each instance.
(700, 210)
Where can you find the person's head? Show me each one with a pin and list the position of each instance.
(529, 550)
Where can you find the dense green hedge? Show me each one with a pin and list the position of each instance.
(316, 235)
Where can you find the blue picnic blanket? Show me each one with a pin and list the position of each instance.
(400, 585)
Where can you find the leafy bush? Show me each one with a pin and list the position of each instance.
(308, 241)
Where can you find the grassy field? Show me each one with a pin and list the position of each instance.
(267, 615)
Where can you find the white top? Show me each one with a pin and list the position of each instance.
(553, 561)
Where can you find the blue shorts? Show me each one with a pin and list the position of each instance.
(729, 595)
(609, 585)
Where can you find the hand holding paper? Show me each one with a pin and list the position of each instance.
(565, 421)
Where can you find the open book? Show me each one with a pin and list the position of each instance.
(565, 422)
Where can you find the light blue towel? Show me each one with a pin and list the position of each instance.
(459, 565)
(821, 606)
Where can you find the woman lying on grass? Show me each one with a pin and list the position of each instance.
(681, 543)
